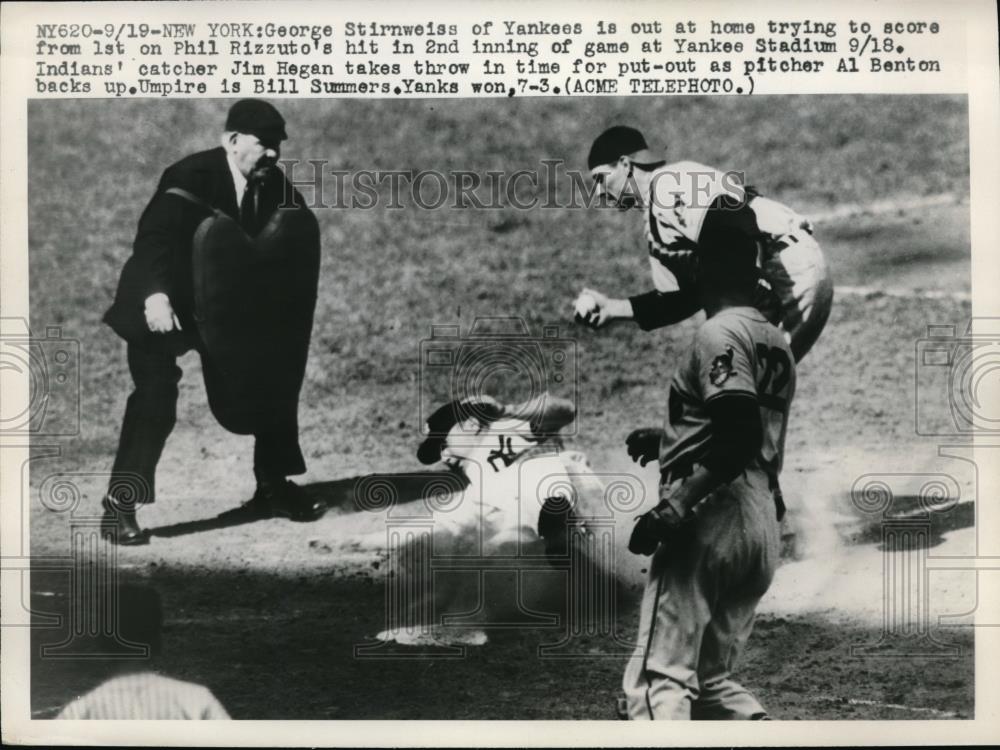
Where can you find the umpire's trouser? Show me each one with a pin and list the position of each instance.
(151, 412)
(698, 608)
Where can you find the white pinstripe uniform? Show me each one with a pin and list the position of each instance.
(792, 264)
(145, 695)
(698, 606)
(511, 472)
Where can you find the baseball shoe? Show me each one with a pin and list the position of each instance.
(553, 526)
(286, 499)
(120, 526)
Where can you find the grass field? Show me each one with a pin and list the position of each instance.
(268, 599)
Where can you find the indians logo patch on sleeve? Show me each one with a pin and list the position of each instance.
(722, 367)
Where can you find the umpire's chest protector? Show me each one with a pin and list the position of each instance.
(254, 300)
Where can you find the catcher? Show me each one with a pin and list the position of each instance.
(714, 535)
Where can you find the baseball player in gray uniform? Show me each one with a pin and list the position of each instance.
(689, 206)
(715, 532)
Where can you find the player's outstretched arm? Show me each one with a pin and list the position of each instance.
(596, 310)
(655, 309)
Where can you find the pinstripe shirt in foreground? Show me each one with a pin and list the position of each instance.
(146, 695)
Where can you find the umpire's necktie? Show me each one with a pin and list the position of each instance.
(248, 210)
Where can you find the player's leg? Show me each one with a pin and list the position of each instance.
(747, 556)
(660, 680)
(799, 277)
(815, 313)
(807, 304)
(721, 697)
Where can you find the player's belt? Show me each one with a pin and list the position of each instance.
(683, 471)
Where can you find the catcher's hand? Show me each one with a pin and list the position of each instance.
(657, 526)
(644, 444)
(592, 309)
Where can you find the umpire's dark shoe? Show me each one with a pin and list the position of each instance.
(286, 499)
(120, 526)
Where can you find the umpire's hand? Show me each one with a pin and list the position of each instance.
(644, 444)
(160, 315)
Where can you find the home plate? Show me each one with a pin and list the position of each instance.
(439, 636)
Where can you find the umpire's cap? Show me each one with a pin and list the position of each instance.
(618, 141)
(257, 117)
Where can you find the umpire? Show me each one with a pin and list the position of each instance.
(154, 312)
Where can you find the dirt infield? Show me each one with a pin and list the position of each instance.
(270, 614)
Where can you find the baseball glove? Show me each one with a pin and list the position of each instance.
(661, 525)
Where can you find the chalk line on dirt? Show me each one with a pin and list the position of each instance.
(881, 208)
(871, 291)
(881, 704)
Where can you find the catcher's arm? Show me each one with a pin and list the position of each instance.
(650, 310)
(655, 309)
(736, 438)
(607, 309)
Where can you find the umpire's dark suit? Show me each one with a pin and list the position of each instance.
(161, 262)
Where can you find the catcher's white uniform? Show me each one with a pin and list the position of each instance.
(698, 606)
(796, 291)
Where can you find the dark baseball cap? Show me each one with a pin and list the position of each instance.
(619, 141)
(256, 117)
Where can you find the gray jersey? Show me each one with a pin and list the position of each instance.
(735, 351)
